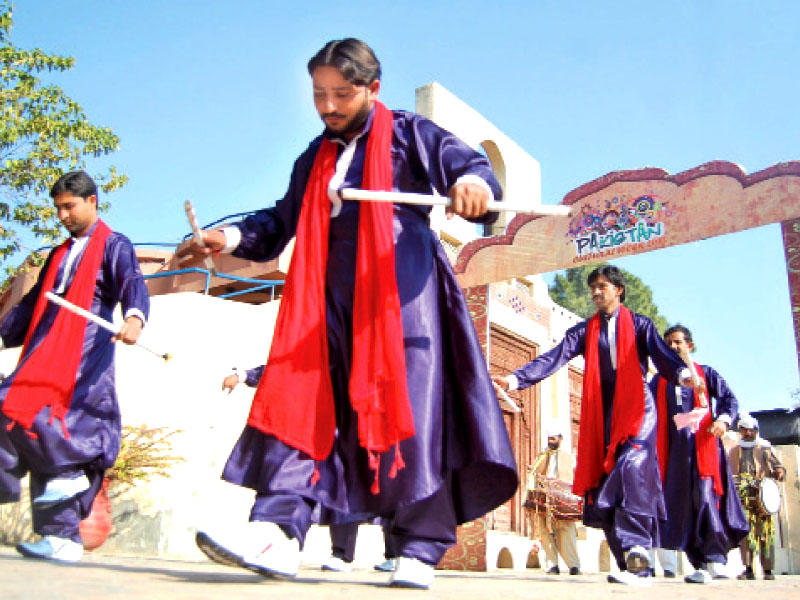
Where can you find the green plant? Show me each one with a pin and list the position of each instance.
(144, 453)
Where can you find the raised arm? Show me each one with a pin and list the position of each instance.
(551, 361)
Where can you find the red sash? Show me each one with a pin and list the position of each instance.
(36, 382)
(294, 400)
(628, 413)
(705, 443)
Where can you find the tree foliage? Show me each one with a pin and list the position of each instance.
(572, 292)
(44, 134)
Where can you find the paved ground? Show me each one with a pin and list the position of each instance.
(113, 577)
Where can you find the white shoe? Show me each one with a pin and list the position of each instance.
(51, 547)
(717, 571)
(338, 565)
(412, 573)
(627, 578)
(699, 576)
(261, 547)
(387, 566)
(58, 490)
(637, 560)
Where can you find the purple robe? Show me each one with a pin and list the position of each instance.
(633, 487)
(460, 440)
(699, 522)
(93, 418)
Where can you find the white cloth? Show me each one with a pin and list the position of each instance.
(747, 421)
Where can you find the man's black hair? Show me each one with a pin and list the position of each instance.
(353, 58)
(77, 183)
(613, 274)
(678, 328)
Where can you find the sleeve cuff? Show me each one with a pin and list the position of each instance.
(513, 382)
(476, 180)
(233, 236)
(725, 419)
(135, 312)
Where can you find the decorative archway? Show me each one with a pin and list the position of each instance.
(632, 212)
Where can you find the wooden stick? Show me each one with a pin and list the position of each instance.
(430, 200)
(198, 237)
(97, 320)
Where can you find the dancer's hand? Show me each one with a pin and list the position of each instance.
(130, 331)
(469, 200)
(213, 241)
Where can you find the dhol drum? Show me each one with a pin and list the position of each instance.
(761, 496)
(769, 496)
(556, 496)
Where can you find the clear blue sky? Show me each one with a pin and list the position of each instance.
(213, 103)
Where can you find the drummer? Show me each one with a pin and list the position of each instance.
(754, 457)
(557, 535)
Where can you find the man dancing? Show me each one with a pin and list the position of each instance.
(60, 420)
(375, 400)
(617, 469)
(704, 516)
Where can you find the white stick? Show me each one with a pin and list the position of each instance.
(198, 237)
(695, 377)
(502, 393)
(95, 319)
(430, 200)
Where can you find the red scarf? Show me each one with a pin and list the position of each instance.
(294, 400)
(628, 412)
(705, 443)
(36, 383)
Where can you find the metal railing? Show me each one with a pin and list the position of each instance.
(259, 284)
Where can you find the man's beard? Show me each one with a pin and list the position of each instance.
(553, 446)
(355, 124)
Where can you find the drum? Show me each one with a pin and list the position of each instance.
(769, 496)
(557, 497)
(760, 496)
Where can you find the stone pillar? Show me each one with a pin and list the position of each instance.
(791, 248)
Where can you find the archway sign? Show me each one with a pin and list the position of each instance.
(631, 212)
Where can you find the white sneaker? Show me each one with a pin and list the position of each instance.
(386, 566)
(412, 573)
(336, 564)
(627, 578)
(58, 490)
(717, 570)
(699, 576)
(51, 547)
(637, 560)
(261, 547)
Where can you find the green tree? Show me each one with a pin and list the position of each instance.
(571, 291)
(44, 134)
